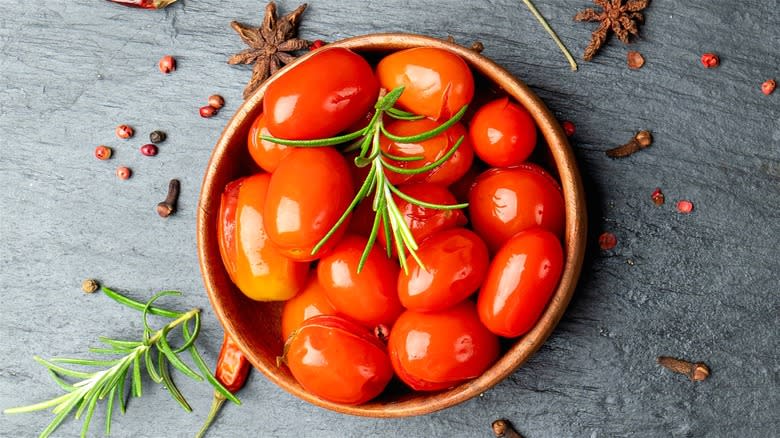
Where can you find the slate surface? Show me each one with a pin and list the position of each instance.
(702, 286)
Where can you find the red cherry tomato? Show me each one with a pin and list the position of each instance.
(321, 96)
(520, 282)
(266, 154)
(310, 302)
(503, 202)
(338, 360)
(431, 150)
(369, 297)
(308, 193)
(437, 82)
(502, 133)
(424, 221)
(433, 351)
(455, 261)
(259, 270)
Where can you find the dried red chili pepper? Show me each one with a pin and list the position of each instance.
(231, 371)
(144, 4)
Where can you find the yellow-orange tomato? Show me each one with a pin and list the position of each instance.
(254, 265)
(437, 82)
(308, 193)
(266, 154)
(310, 302)
(520, 282)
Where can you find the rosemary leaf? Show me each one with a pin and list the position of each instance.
(427, 134)
(133, 304)
(168, 381)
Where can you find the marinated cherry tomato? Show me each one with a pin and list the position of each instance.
(455, 263)
(266, 154)
(502, 133)
(338, 360)
(259, 270)
(308, 193)
(503, 202)
(433, 351)
(520, 281)
(437, 82)
(424, 221)
(369, 297)
(310, 302)
(431, 150)
(321, 96)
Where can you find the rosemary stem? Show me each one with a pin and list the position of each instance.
(183, 318)
(552, 33)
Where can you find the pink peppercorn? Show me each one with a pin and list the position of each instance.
(710, 60)
(684, 206)
(607, 241)
(149, 150)
(569, 128)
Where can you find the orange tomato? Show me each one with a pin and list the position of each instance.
(434, 351)
(431, 150)
(369, 297)
(308, 193)
(338, 360)
(437, 82)
(520, 282)
(320, 97)
(455, 261)
(266, 154)
(503, 133)
(254, 265)
(503, 202)
(310, 302)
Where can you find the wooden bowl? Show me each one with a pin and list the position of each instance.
(256, 326)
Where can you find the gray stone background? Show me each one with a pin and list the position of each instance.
(702, 286)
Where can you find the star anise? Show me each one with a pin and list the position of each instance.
(622, 19)
(269, 45)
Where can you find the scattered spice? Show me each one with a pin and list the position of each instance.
(641, 140)
(696, 371)
(145, 4)
(269, 45)
(621, 19)
(103, 152)
(168, 206)
(710, 60)
(149, 150)
(123, 172)
(504, 429)
(216, 101)
(167, 64)
(476, 46)
(569, 128)
(90, 285)
(684, 206)
(635, 60)
(540, 18)
(208, 111)
(768, 87)
(157, 137)
(607, 241)
(316, 44)
(124, 132)
(658, 197)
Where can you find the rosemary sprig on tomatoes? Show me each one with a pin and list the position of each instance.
(387, 215)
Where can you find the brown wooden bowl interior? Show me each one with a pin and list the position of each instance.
(256, 326)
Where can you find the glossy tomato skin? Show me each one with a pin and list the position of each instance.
(437, 82)
(503, 202)
(266, 154)
(424, 221)
(432, 149)
(369, 297)
(503, 133)
(338, 360)
(455, 261)
(520, 282)
(259, 270)
(322, 96)
(311, 301)
(434, 351)
(308, 193)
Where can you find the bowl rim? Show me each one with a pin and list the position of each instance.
(574, 237)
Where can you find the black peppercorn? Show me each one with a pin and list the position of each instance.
(157, 137)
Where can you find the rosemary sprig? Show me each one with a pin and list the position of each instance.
(387, 215)
(540, 18)
(109, 382)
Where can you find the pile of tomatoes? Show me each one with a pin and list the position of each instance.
(488, 271)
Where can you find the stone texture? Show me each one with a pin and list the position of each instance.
(701, 286)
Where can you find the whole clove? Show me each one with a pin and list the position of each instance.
(641, 140)
(504, 429)
(168, 206)
(696, 371)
